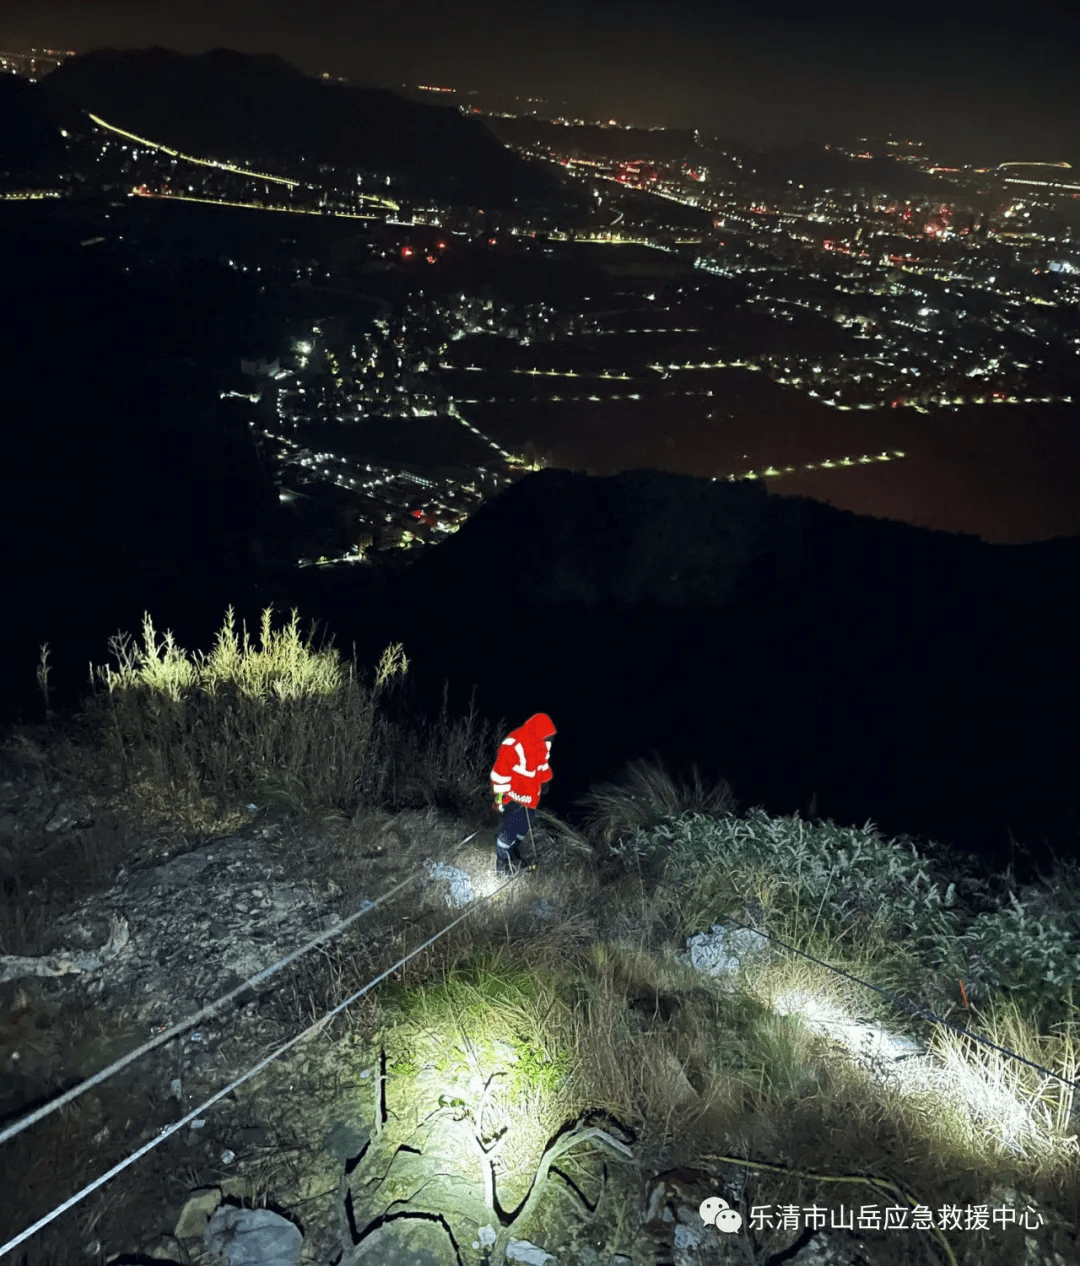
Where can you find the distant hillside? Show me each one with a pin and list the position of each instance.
(621, 144)
(227, 104)
(819, 168)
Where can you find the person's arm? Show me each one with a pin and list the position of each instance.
(500, 785)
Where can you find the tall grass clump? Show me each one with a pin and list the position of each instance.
(645, 796)
(438, 763)
(1010, 1107)
(279, 723)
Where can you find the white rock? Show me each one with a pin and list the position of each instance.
(722, 951)
(461, 889)
(253, 1237)
(529, 1254)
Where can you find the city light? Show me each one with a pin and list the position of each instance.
(883, 370)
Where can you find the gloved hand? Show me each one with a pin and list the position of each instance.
(497, 803)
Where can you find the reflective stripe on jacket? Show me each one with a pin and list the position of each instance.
(521, 767)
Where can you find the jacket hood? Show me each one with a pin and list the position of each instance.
(540, 726)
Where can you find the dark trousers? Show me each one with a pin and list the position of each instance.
(516, 825)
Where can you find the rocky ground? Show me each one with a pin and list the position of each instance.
(338, 1152)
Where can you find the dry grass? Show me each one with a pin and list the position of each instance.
(174, 747)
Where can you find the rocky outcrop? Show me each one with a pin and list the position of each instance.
(200, 924)
(18, 967)
(402, 1165)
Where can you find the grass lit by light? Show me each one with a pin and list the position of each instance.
(570, 990)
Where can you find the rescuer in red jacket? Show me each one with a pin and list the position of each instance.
(520, 773)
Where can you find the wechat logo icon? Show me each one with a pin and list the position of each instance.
(718, 1213)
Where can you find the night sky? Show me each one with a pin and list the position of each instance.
(977, 81)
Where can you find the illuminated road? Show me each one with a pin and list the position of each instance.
(936, 489)
(141, 191)
(1021, 163)
(229, 167)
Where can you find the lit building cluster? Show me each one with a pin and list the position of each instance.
(35, 63)
(928, 300)
(854, 297)
(341, 383)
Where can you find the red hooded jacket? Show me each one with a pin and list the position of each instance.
(521, 767)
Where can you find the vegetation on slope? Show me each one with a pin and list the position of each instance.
(599, 1005)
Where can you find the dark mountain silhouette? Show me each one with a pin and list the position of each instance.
(231, 105)
(924, 680)
(32, 150)
(130, 484)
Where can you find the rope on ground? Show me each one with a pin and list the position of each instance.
(912, 1008)
(207, 1011)
(171, 1129)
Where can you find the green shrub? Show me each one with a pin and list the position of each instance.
(1032, 955)
(828, 868)
(486, 999)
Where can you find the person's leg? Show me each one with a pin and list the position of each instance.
(508, 837)
(528, 825)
